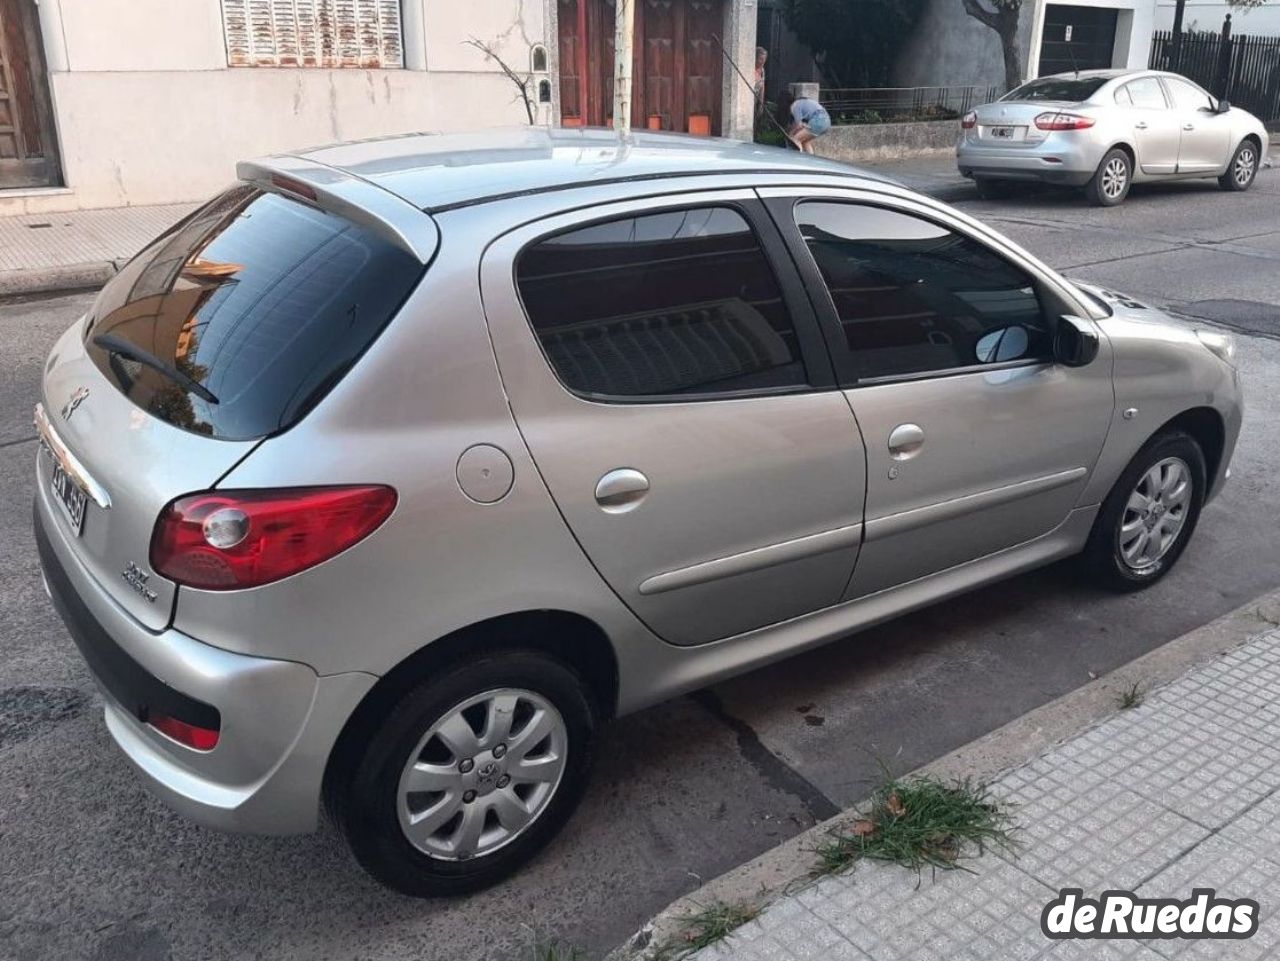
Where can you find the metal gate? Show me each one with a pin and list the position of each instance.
(28, 151)
(1242, 69)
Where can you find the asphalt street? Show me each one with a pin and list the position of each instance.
(92, 867)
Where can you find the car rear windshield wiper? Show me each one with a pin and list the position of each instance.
(122, 348)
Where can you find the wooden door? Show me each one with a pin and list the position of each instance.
(676, 73)
(28, 155)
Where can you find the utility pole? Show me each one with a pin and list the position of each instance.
(1176, 53)
(624, 32)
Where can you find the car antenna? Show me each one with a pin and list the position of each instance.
(1075, 66)
(772, 119)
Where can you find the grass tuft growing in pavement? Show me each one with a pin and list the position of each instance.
(920, 822)
(1130, 697)
(554, 952)
(706, 927)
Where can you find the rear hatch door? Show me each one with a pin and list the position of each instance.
(225, 330)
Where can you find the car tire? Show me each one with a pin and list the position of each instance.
(370, 790)
(1115, 556)
(1111, 181)
(1242, 169)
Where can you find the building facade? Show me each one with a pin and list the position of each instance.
(118, 102)
(1207, 16)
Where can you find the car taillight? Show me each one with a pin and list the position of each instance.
(228, 540)
(968, 121)
(1055, 120)
(197, 738)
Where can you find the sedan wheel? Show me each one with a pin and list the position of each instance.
(1155, 513)
(1110, 184)
(1242, 169)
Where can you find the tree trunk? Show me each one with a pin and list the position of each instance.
(1004, 21)
(1012, 57)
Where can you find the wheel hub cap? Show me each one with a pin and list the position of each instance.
(482, 774)
(1155, 513)
(1114, 177)
(1244, 166)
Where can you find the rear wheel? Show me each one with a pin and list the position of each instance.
(1144, 524)
(467, 775)
(1111, 181)
(1242, 169)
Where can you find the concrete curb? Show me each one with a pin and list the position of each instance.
(43, 280)
(786, 867)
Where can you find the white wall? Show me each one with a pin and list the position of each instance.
(1263, 21)
(148, 112)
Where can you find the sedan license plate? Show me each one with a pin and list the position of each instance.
(1002, 133)
(70, 497)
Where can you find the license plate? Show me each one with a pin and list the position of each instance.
(1002, 133)
(70, 497)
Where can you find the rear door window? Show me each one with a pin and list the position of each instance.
(245, 315)
(661, 305)
(1146, 93)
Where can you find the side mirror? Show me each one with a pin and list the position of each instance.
(1224, 106)
(1075, 342)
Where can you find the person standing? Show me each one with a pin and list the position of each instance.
(804, 118)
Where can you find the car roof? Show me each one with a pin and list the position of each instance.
(440, 171)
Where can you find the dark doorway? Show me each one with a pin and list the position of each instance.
(1076, 38)
(676, 73)
(28, 151)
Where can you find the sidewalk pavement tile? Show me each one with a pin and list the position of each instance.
(36, 241)
(1258, 828)
(1233, 871)
(1079, 949)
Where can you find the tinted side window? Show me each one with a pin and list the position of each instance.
(1146, 93)
(913, 297)
(1187, 97)
(682, 302)
(1123, 98)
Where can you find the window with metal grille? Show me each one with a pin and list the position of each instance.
(313, 33)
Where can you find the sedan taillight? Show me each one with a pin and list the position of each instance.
(229, 540)
(1056, 120)
(968, 121)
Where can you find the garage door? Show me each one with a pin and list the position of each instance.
(1076, 38)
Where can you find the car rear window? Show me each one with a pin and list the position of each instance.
(242, 317)
(1064, 89)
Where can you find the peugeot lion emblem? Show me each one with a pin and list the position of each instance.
(74, 401)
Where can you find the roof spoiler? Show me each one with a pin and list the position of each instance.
(346, 195)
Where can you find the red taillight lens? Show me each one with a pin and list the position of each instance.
(968, 121)
(199, 738)
(228, 540)
(1063, 121)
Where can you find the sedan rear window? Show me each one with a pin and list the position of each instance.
(1062, 89)
(243, 316)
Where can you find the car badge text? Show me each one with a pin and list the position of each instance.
(135, 578)
(76, 399)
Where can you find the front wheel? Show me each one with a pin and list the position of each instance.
(1111, 181)
(467, 775)
(1242, 169)
(1146, 521)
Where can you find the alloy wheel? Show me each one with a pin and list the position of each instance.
(1155, 514)
(482, 774)
(1115, 177)
(1242, 170)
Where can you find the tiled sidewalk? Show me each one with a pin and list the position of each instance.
(1178, 793)
(52, 251)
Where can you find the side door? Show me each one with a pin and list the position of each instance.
(1205, 144)
(667, 373)
(942, 335)
(1155, 126)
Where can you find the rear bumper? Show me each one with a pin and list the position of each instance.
(278, 720)
(1049, 163)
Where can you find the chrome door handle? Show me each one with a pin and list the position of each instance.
(621, 490)
(905, 441)
(1141, 125)
(1188, 126)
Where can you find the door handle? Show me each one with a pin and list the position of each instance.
(1140, 125)
(1188, 126)
(905, 441)
(621, 490)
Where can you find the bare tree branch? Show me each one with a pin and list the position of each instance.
(522, 83)
(975, 9)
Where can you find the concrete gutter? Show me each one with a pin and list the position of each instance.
(786, 868)
(57, 278)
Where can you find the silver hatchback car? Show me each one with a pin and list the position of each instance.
(391, 473)
(1105, 130)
